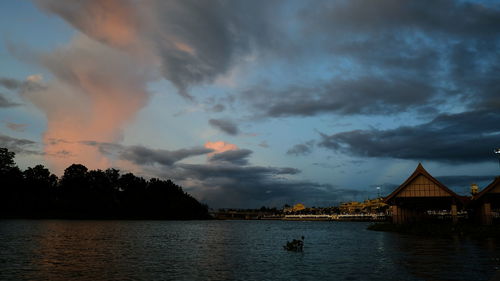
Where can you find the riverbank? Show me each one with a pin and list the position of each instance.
(440, 229)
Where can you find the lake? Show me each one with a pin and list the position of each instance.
(233, 250)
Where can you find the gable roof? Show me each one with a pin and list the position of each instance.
(420, 171)
(486, 190)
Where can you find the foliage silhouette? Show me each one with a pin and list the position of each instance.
(92, 194)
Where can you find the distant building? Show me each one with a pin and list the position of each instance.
(351, 207)
(295, 208)
(370, 206)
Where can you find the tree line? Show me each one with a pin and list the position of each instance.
(95, 194)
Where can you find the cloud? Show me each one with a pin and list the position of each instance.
(220, 146)
(301, 149)
(458, 183)
(10, 83)
(452, 138)
(264, 144)
(4, 102)
(95, 92)
(358, 16)
(223, 152)
(218, 108)
(232, 186)
(362, 95)
(382, 57)
(35, 78)
(204, 171)
(227, 185)
(236, 157)
(15, 85)
(225, 125)
(386, 58)
(20, 146)
(344, 58)
(100, 77)
(32, 83)
(142, 155)
(15, 126)
(194, 42)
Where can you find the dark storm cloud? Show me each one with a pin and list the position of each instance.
(363, 95)
(225, 125)
(301, 149)
(453, 138)
(254, 186)
(264, 192)
(142, 155)
(236, 157)
(226, 184)
(146, 156)
(391, 56)
(458, 18)
(458, 183)
(203, 171)
(20, 146)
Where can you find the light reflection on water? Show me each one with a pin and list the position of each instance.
(233, 250)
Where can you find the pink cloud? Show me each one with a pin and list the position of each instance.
(219, 147)
(95, 92)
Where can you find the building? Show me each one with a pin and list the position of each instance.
(421, 197)
(369, 206)
(295, 208)
(486, 204)
(351, 207)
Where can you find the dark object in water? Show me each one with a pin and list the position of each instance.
(295, 245)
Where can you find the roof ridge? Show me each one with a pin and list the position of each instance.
(493, 184)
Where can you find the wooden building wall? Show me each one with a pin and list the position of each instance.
(421, 186)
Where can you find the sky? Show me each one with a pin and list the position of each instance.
(255, 103)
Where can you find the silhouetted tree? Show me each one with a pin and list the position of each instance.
(39, 189)
(11, 180)
(6, 160)
(74, 190)
(90, 194)
(101, 193)
(113, 176)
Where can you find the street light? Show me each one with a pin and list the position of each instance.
(497, 152)
(378, 190)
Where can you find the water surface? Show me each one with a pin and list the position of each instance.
(233, 250)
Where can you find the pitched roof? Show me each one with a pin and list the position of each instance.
(492, 185)
(420, 171)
